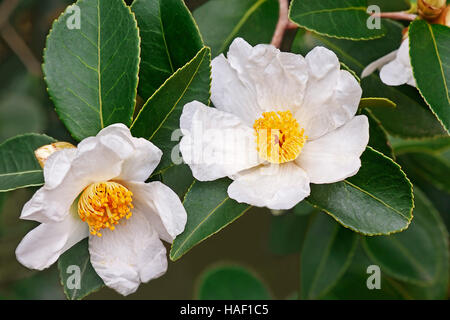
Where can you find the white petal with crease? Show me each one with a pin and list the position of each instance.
(161, 206)
(278, 187)
(129, 255)
(215, 144)
(257, 79)
(332, 95)
(43, 245)
(335, 156)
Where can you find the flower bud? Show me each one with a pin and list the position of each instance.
(430, 9)
(444, 18)
(44, 152)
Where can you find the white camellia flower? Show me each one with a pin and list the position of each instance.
(395, 67)
(280, 122)
(98, 190)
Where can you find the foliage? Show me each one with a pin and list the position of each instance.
(139, 64)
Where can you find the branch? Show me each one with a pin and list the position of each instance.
(13, 39)
(396, 15)
(282, 25)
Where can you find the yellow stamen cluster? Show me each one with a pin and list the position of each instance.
(103, 205)
(278, 136)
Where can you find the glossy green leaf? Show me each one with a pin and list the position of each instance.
(169, 39)
(430, 60)
(376, 102)
(287, 232)
(414, 255)
(327, 252)
(431, 167)
(18, 165)
(209, 209)
(78, 256)
(390, 5)
(179, 178)
(344, 19)
(231, 283)
(437, 144)
(160, 116)
(221, 21)
(91, 72)
(377, 200)
(412, 117)
(378, 138)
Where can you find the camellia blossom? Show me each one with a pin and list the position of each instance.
(98, 190)
(281, 121)
(395, 67)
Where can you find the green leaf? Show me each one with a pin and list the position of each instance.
(91, 72)
(160, 116)
(18, 165)
(414, 255)
(377, 200)
(287, 232)
(169, 39)
(327, 252)
(179, 178)
(433, 168)
(78, 256)
(378, 138)
(437, 144)
(376, 102)
(390, 5)
(231, 283)
(209, 209)
(344, 19)
(412, 117)
(430, 60)
(221, 21)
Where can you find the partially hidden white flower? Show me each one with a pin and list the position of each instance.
(98, 190)
(395, 67)
(281, 121)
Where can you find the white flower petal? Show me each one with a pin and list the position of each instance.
(399, 71)
(394, 74)
(112, 154)
(161, 206)
(94, 161)
(215, 144)
(57, 166)
(141, 161)
(335, 156)
(257, 79)
(332, 95)
(278, 187)
(377, 64)
(230, 94)
(43, 245)
(128, 255)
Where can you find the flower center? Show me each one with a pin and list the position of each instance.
(278, 136)
(103, 205)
